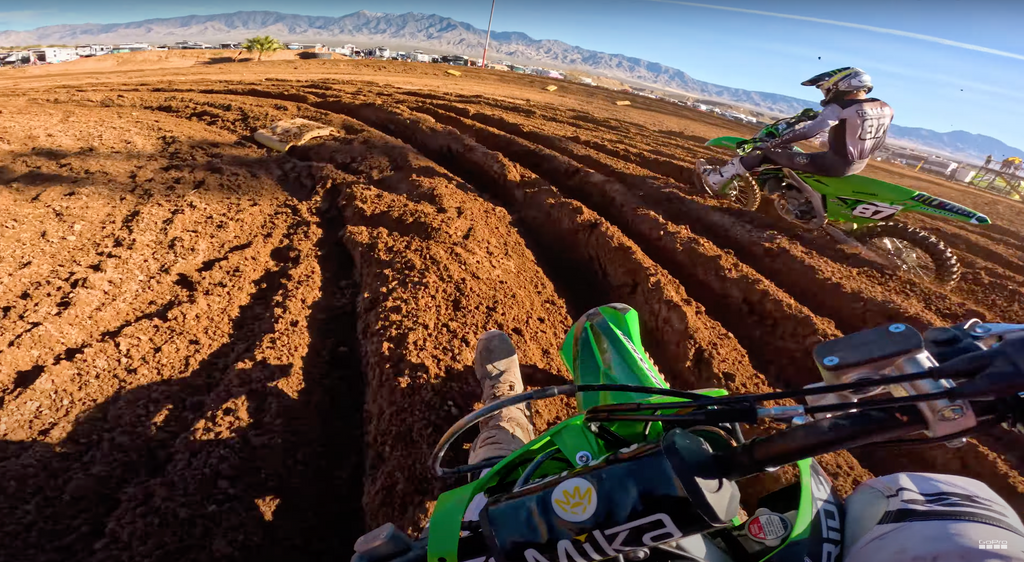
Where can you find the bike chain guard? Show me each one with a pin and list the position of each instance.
(883, 352)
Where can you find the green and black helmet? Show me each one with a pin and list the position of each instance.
(836, 83)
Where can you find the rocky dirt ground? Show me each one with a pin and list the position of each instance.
(209, 351)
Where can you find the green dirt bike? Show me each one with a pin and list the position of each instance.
(648, 472)
(862, 206)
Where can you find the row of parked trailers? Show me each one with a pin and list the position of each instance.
(48, 55)
(53, 55)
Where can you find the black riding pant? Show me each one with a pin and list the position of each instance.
(818, 163)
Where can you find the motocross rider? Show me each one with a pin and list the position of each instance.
(903, 517)
(856, 126)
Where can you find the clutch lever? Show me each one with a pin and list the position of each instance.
(991, 333)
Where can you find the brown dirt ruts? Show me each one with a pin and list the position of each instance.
(208, 351)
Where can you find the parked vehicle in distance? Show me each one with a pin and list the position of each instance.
(53, 55)
(93, 50)
(455, 60)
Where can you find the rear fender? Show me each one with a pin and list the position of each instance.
(863, 200)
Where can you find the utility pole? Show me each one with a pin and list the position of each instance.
(487, 42)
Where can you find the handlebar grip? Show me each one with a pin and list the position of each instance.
(387, 544)
(819, 437)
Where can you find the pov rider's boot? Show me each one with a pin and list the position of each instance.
(497, 367)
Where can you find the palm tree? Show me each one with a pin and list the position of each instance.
(262, 44)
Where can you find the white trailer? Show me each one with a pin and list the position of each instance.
(133, 47)
(53, 55)
(93, 50)
(191, 45)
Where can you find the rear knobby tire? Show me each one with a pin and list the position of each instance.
(945, 266)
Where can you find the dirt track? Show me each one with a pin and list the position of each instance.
(210, 351)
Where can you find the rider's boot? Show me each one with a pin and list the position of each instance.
(714, 179)
(497, 368)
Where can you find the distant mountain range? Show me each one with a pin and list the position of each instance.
(448, 35)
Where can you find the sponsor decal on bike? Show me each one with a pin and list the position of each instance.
(574, 500)
(949, 207)
(657, 377)
(993, 545)
(767, 527)
(874, 210)
(829, 523)
(600, 545)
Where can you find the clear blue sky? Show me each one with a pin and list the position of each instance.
(929, 82)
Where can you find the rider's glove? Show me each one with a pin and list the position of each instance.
(809, 114)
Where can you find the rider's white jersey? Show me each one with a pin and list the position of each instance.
(915, 517)
(856, 128)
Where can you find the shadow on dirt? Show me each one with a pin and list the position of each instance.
(321, 513)
(178, 167)
(139, 478)
(224, 60)
(695, 139)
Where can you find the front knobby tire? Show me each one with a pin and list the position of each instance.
(746, 193)
(918, 253)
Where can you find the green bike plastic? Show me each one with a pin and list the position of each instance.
(725, 142)
(607, 349)
(805, 513)
(603, 347)
(862, 200)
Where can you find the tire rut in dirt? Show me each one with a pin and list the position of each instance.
(444, 144)
(412, 503)
(653, 190)
(750, 307)
(177, 420)
(968, 243)
(437, 266)
(586, 234)
(322, 487)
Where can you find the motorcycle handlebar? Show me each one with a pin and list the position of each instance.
(994, 386)
(823, 436)
(818, 437)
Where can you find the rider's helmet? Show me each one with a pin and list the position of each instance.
(836, 83)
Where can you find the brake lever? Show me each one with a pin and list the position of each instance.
(949, 343)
